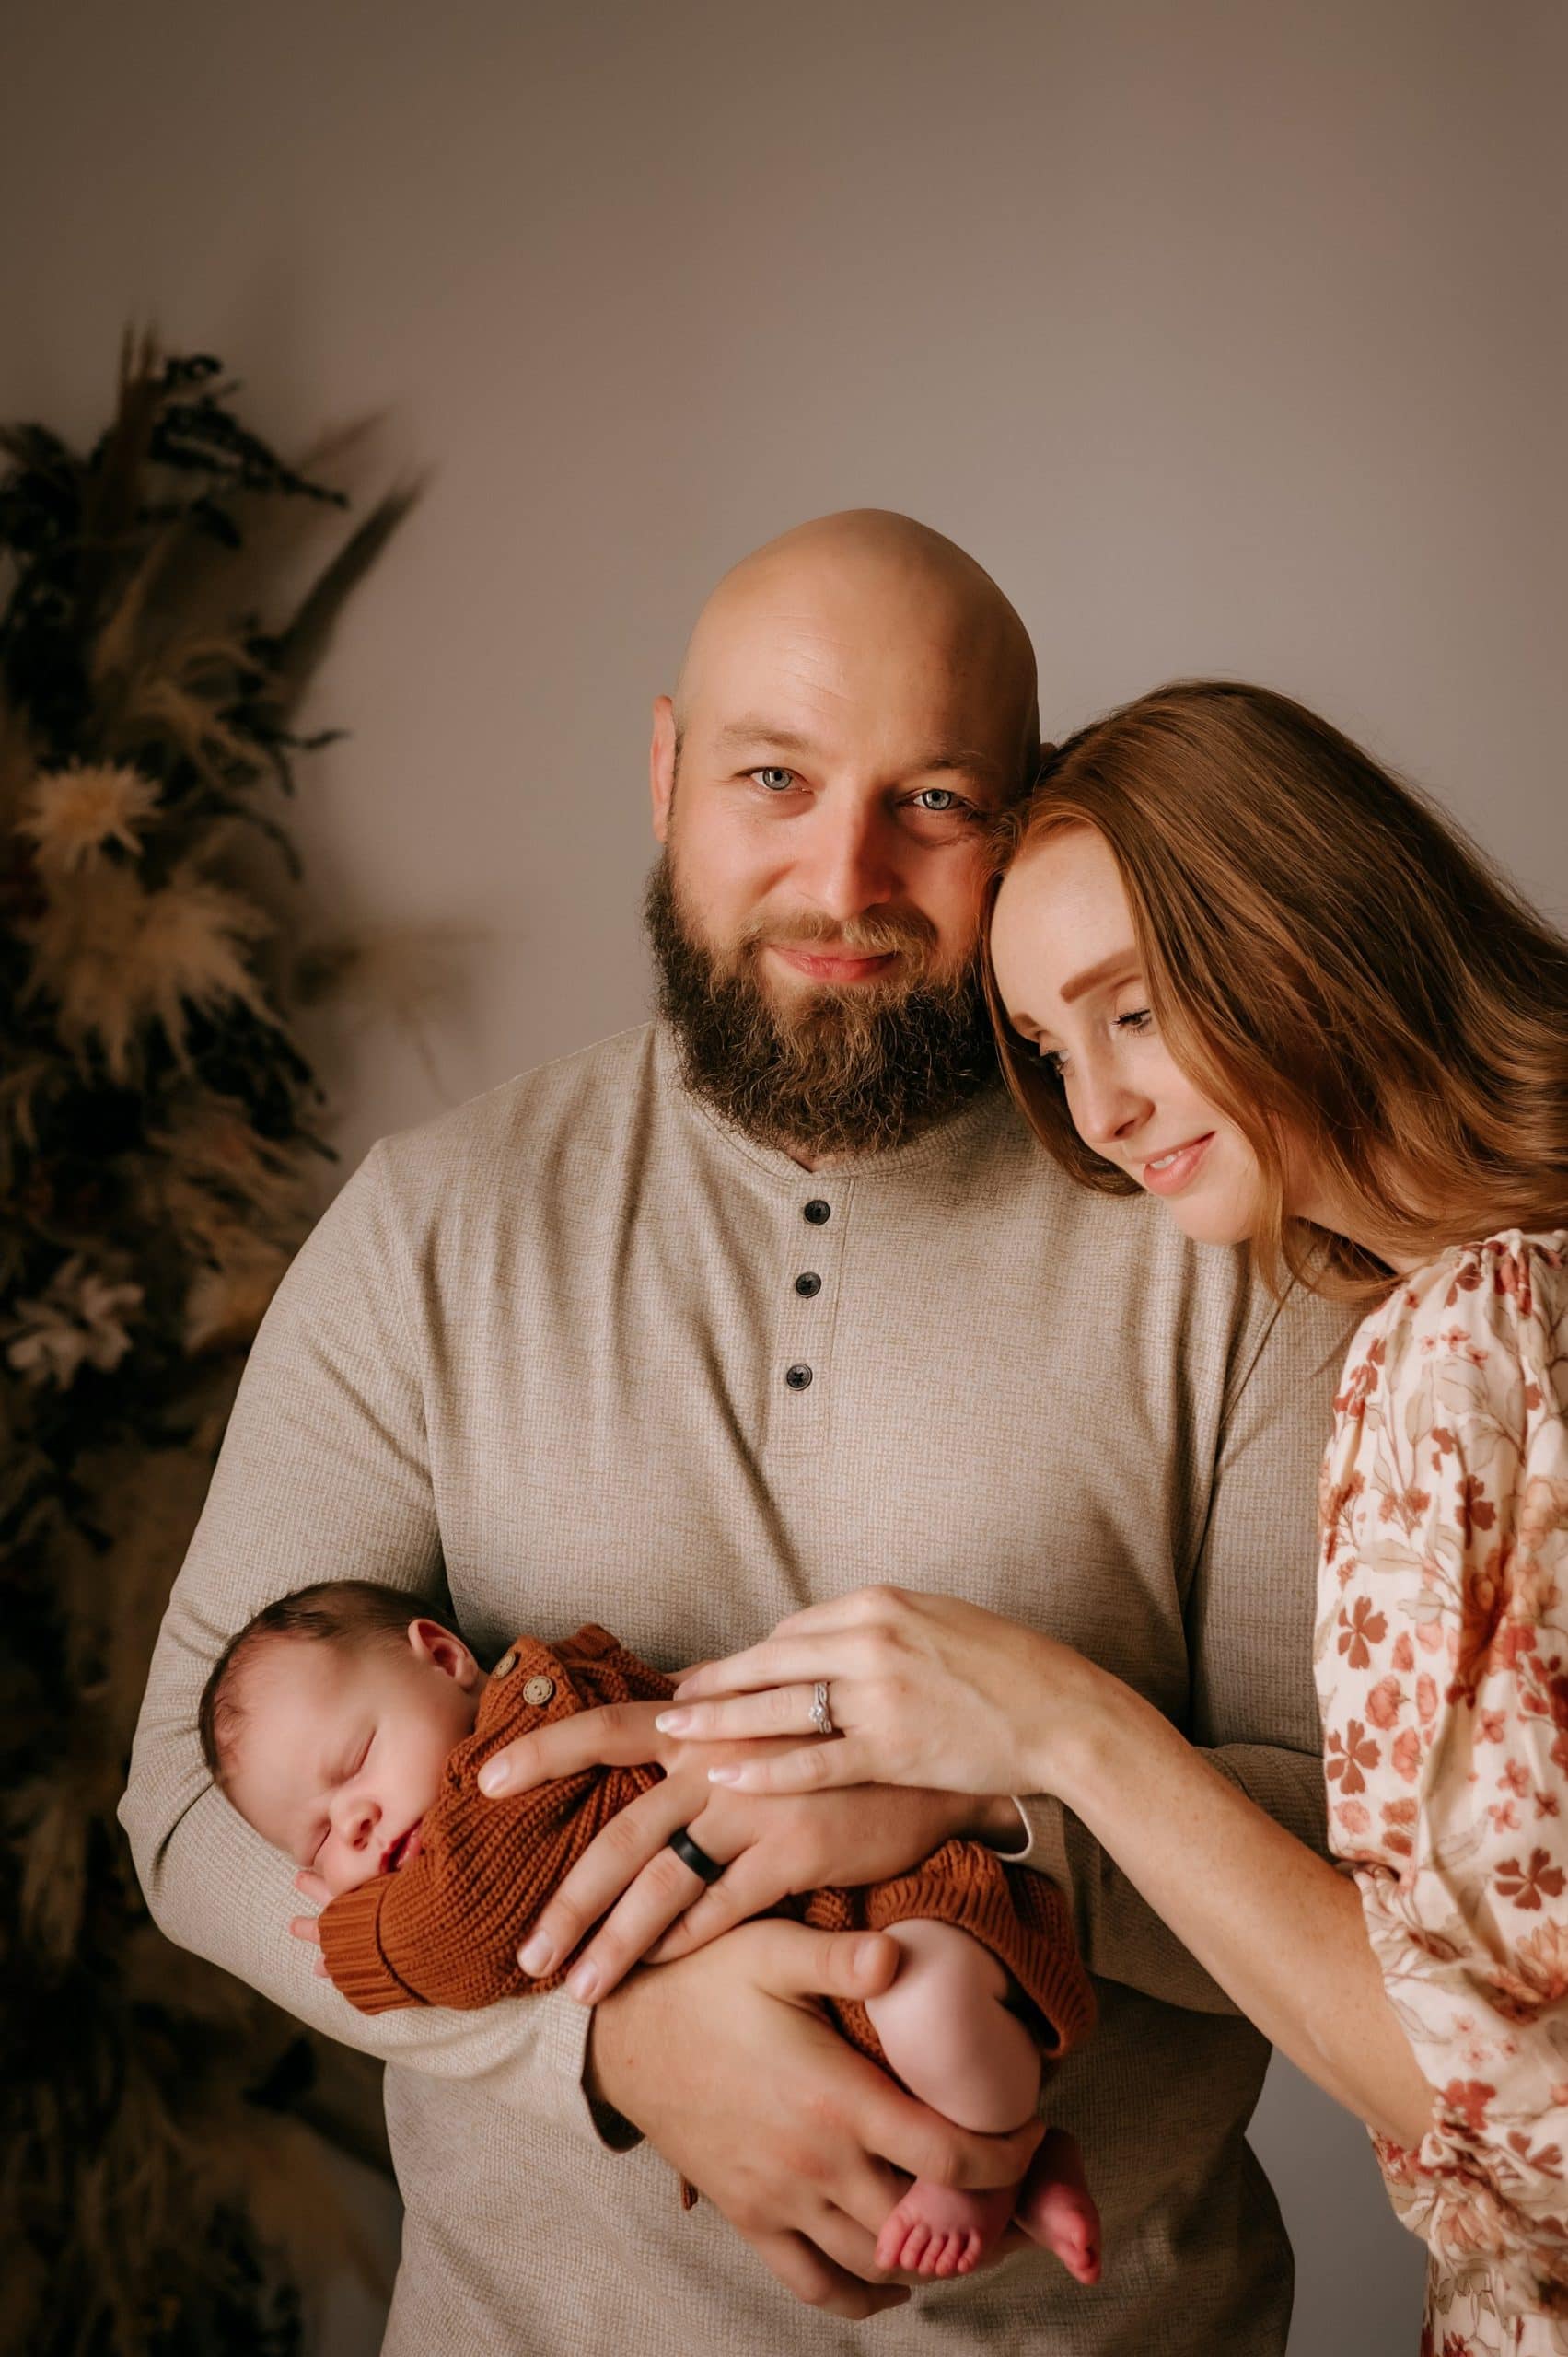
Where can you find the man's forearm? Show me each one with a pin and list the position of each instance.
(213, 1887)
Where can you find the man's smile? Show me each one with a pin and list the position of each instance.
(833, 965)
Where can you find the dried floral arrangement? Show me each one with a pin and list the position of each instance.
(156, 1155)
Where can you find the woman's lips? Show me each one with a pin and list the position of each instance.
(1167, 1174)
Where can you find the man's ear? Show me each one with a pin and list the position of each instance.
(430, 1643)
(661, 765)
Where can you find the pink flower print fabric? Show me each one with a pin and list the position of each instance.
(1442, 1665)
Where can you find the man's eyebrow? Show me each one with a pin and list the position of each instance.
(972, 764)
(756, 732)
(737, 733)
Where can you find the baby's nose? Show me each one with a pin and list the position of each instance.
(362, 1821)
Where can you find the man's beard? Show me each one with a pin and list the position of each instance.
(851, 1070)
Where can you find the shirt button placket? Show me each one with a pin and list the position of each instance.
(807, 1329)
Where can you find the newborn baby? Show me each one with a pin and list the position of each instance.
(351, 1737)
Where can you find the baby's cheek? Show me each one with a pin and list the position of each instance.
(346, 1874)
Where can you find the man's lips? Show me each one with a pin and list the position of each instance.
(1168, 1173)
(832, 965)
(399, 1851)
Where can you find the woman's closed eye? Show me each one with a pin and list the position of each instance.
(1138, 1022)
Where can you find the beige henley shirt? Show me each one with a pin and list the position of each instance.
(541, 1349)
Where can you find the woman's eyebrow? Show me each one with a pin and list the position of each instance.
(1121, 961)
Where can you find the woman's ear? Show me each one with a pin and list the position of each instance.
(430, 1643)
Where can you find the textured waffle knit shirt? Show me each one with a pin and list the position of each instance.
(556, 1352)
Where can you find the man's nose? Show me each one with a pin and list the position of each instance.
(848, 863)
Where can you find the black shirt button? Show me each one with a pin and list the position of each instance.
(808, 1283)
(797, 1377)
(818, 1211)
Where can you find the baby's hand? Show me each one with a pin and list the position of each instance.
(303, 1927)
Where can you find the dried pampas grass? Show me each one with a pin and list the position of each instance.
(170, 594)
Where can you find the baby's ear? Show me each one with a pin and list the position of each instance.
(430, 1643)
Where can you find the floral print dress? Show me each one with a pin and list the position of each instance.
(1442, 1663)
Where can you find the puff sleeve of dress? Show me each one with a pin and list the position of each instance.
(1442, 1665)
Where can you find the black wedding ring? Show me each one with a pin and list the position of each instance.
(690, 1854)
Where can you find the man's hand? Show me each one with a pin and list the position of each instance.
(771, 1849)
(726, 2064)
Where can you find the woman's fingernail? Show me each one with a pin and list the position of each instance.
(673, 1722)
(725, 1775)
(492, 1777)
(583, 1983)
(537, 1956)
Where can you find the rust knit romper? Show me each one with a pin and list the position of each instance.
(445, 1929)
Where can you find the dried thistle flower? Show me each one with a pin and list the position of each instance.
(77, 1320)
(73, 814)
(117, 959)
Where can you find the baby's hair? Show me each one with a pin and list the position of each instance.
(332, 1612)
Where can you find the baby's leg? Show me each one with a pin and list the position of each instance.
(946, 2030)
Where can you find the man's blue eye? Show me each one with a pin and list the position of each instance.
(774, 780)
(938, 799)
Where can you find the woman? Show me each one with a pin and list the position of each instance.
(1244, 968)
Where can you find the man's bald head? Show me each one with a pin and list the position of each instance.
(863, 578)
(857, 703)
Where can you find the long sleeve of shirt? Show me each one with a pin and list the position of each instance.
(324, 1474)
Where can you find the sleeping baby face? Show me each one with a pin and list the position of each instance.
(338, 1748)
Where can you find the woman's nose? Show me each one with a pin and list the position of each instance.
(1106, 1110)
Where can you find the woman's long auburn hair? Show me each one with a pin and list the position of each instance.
(1330, 962)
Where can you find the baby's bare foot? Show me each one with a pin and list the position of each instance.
(1056, 2208)
(934, 2231)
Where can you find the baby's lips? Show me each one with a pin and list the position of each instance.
(401, 1851)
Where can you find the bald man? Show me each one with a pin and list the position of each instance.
(754, 1304)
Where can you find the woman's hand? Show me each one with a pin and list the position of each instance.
(630, 1884)
(922, 1690)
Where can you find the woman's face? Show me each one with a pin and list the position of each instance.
(1067, 967)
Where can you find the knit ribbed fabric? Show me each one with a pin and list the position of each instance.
(1019, 1916)
(445, 1930)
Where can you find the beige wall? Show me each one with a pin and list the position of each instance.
(1229, 337)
